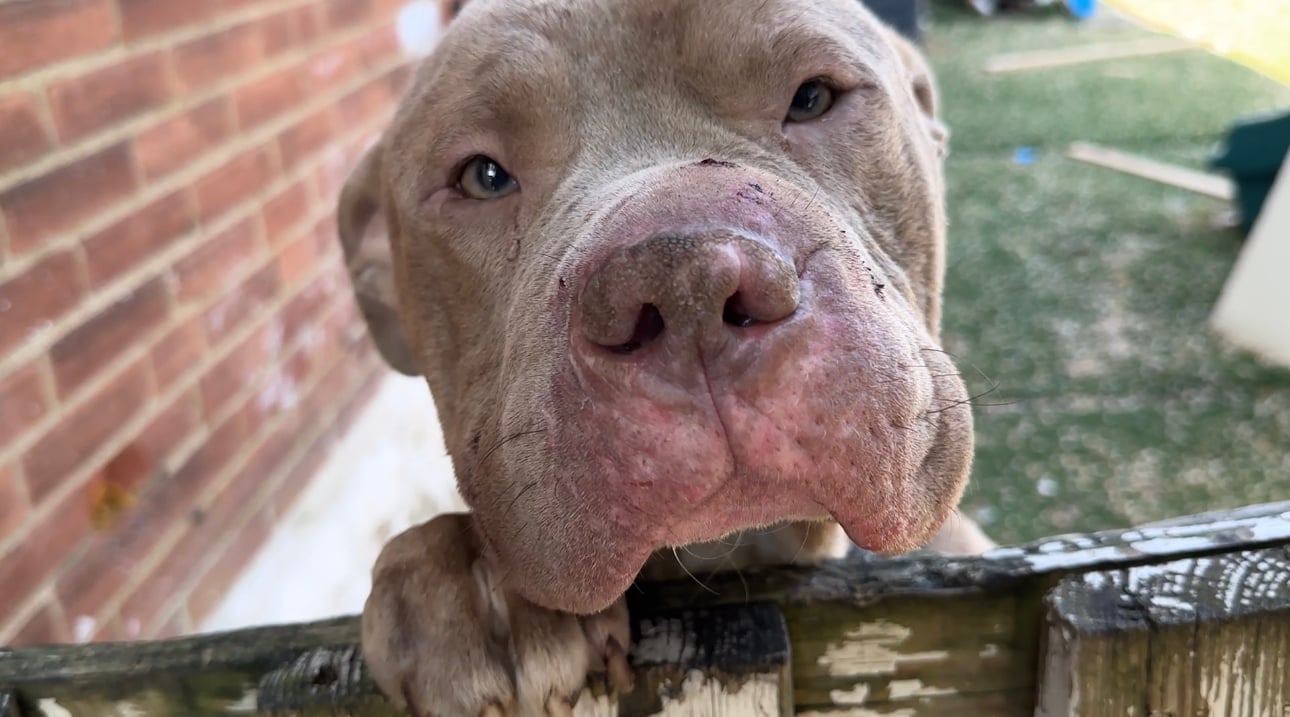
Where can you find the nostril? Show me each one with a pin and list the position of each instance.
(736, 314)
(649, 326)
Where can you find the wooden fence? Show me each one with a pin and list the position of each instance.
(1179, 619)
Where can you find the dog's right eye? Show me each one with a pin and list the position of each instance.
(484, 178)
(811, 101)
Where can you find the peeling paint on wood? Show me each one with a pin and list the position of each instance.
(1193, 636)
(919, 635)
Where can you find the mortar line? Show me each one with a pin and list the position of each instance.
(158, 404)
(39, 341)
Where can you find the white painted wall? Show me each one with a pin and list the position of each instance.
(390, 472)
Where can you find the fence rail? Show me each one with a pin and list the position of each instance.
(1190, 616)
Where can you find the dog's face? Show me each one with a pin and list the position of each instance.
(672, 269)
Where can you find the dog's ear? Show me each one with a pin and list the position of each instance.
(923, 84)
(366, 246)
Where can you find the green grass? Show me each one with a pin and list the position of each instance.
(1082, 295)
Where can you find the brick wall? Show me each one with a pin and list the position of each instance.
(178, 347)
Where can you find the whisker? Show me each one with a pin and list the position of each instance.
(697, 581)
(969, 400)
(806, 536)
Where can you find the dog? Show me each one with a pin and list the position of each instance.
(672, 271)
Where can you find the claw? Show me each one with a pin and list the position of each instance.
(620, 674)
(557, 706)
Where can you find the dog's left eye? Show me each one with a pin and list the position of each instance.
(811, 101)
(484, 178)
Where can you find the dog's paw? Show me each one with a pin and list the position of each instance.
(442, 638)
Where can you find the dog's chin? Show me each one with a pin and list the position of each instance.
(583, 558)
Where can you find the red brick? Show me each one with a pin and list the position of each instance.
(35, 298)
(304, 138)
(39, 32)
(110, 630)
(215, 584)
(167, 583)
(345, 385)
(299, 367)
(250, 300)
(375, 99)
(304, 312)
(328, 237)
(214, 58)
(144, 458)
(95, 344)
(285, 210)
(400, 79)
(144, 18)
(13, 502)
(45, 627)
(170, 429)
(337, 65)
(225, 442)
(299, 475)
(287, 30)
(212, 522)
(113, 94)
(178, 141)
(178, 352)
(216, 264)
(85, 430)
(341, 15)
(24, 137)
(42, 207)
(44, 550)
(23, 402)
(331, 174)
(379, 47)
(140, 236)
(241, 368)
(387, 8)
(298, 259)
(235, 181)
(268, 97)
(114, 556)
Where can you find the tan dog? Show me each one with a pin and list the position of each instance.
(672, 271)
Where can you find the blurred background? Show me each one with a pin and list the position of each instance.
(196, 434)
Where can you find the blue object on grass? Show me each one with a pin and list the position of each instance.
(1082, 9)
(1023, 155)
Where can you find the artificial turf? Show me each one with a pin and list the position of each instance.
(1081, 295)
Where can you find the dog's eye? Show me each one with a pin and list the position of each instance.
(484, 178)
(811, 101)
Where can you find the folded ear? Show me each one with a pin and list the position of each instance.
(366, 245)
(923, 85)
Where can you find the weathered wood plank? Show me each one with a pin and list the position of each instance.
(926, 635)
(688, 663)
(1199, 636)
(917, 635)
(8, 705)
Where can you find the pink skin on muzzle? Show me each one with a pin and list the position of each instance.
(731, 362)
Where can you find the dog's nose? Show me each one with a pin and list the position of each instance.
(699, 287)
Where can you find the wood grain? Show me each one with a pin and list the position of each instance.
(1190, 637)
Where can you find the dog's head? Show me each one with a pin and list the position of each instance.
(671, 269)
